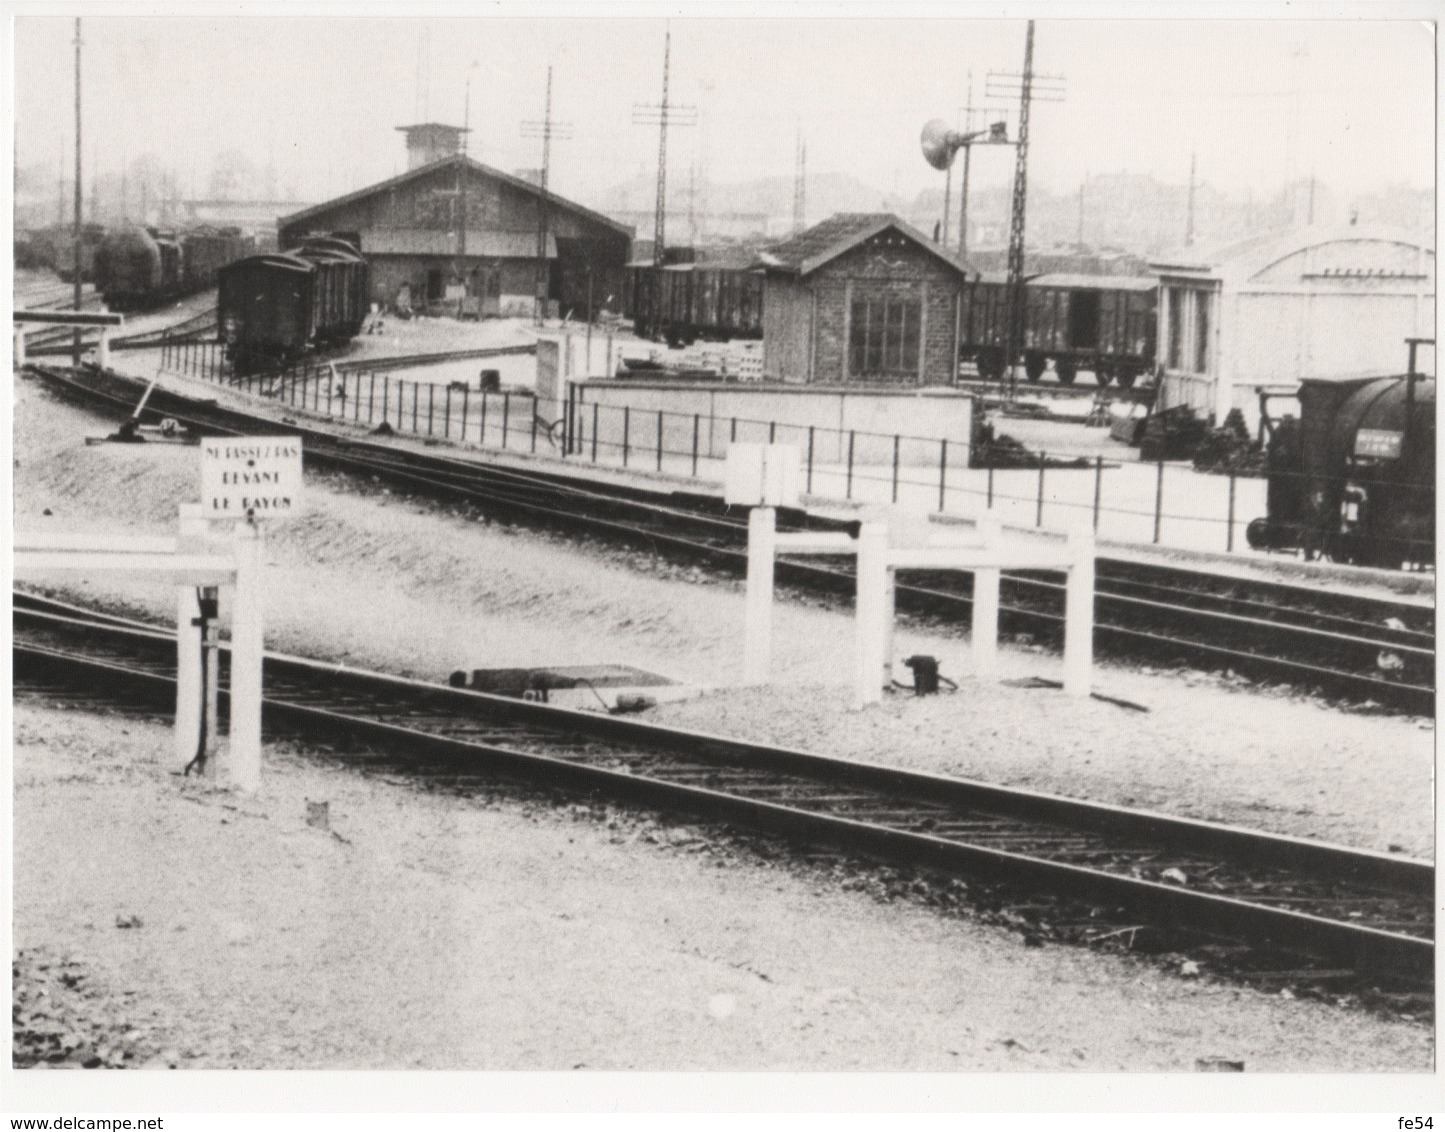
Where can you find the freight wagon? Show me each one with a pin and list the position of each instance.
(274, 308)
(1107, 324)
(140, 267)
(695, 301)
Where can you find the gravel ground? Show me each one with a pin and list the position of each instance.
(172, 924)
(381, 581)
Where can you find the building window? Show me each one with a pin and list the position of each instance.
(884, 336)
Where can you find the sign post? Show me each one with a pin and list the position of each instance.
(252, 480)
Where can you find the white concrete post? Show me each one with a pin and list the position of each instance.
(870, 610)
(102, 351)
(191, 534)
(19, 346)
(1079, 615)
(758, 632)
(247, 650)
(984, 629)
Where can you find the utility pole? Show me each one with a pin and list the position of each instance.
(546, 129)
(1079, 236)
(1189, 229)
(963, 186)
(75, 241)
(800, 184)
(1048, 88)
(662, 115)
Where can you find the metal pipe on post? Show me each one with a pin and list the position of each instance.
(447, 415)
(942, 473)
(696, 431)
(989, 502)
(659, 440)
(1158, 500)
(431, 402)
(534, 425)
(190, 696)
(870, 629)
(1079, 615)
(626, 430)
(896, 443)
(848, 493)
(984, 623)
(757, 636)
(385, 397)
(1039, 515)
(466, 405)
(1229, 528)
(482, 426)
(809, 488)
(596, 406)
(415, 405)
(1098, 489)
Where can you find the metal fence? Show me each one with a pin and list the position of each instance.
(1158, 503)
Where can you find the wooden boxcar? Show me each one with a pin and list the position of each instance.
(695, 301)
(1103, 323)
(274, 308)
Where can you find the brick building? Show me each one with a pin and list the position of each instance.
(423, 257)
(861, 298)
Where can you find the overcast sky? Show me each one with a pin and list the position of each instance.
(1260, 101)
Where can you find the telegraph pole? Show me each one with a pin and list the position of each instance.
(1189, 228)
(546, 130)
(662, 115)
(75, 241)
(1050, 88)
(1016, 221)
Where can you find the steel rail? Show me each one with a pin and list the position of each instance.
(374, 458)
(304, 695)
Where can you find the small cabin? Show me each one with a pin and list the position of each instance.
(861, 299)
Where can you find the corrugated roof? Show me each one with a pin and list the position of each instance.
(410, 175)
(825, 241)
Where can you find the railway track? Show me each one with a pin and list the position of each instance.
(1325, 912)
(1351, 647)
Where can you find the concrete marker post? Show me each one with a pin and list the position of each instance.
(758, 631)
(984, 624)
(19, 347)
(247, 656)
(870, 612)
(1079, 615)
(191, 530)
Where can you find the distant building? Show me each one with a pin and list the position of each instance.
(422, 256)
(861, 298)
(1268, 311)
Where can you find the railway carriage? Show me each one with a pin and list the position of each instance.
(685, 302)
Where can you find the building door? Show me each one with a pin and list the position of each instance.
(435, 287)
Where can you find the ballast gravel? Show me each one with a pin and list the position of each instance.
(446, 932)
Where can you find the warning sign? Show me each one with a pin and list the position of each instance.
(258, 476)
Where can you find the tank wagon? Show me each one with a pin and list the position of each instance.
(274, 308)
(685, 302)
(1107, 324)
(139, 267)
(1353, 477)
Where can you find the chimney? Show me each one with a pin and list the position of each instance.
(431, 142)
